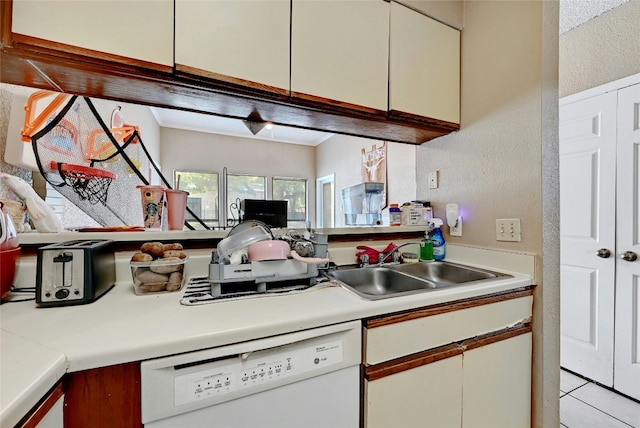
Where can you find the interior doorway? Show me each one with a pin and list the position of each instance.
(599, 234)
(325, 201)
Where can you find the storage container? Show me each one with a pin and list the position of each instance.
(241, 240)
(158, 276)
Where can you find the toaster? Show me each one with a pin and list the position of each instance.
(74, 272)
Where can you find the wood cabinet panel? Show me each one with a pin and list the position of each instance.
(48, 412)
(141, 30)
(243, 42)
(339, 51)
(103, 397)
(424, 66)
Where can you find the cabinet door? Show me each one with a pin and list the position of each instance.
(142, 30)
(497, 384)
(424, 66)
(236, 40)
(339, 51)
(426, 396)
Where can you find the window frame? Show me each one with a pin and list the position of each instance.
(306, 198)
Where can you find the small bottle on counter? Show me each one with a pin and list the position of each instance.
(439, 246)
(395, 215)
(426, 250)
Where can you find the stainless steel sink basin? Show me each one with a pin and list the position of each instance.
(380, 282)
(447, 273)
(377, 282)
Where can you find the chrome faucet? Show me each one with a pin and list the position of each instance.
(382, 257)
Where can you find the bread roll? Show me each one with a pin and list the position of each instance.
(175, 246)
(168, 265)
(154, 248)
(148, 277)
(152, 288)
(175, 281)
(174, 253)
(141, 257)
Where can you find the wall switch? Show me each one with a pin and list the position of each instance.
(433, 179)
(508, 229)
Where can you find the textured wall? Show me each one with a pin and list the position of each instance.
(603, 49)
(492, 166)
(5, 114)
(341, 155)
(201, 152)
(503, 161)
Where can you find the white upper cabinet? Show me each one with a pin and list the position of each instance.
(424, 67)
(339, 50)
(241, 39)
(141, 30)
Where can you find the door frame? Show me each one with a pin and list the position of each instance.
(602, 89)
(320, 182)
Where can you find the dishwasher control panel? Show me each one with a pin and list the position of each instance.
(199, 381)
(254, 369)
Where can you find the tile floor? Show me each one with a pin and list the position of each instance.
(584, 404)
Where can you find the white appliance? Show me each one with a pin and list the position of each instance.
(309, 378)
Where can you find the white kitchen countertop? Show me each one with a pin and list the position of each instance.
(29, 370)
(122, 327)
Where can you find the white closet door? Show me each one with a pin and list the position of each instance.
(587, 225)
(627, 333)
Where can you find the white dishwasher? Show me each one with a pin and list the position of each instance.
(309, 378)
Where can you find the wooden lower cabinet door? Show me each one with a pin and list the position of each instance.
(105, 397)
(497, 384)
(426, 396)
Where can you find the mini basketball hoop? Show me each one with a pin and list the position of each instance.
(88, 183)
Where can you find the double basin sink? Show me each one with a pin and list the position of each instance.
(380, 282)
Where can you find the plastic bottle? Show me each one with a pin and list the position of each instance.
(426, 249)
(439, 246)
(395, 215)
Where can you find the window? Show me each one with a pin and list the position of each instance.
(203, 199)
(241, 187)
(293, 190)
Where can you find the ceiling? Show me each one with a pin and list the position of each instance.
(235, 127)
(577, 12)
(572, 14)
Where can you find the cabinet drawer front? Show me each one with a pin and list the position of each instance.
(408, 337)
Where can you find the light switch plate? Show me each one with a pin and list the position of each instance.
(508, 229)
(433, 179)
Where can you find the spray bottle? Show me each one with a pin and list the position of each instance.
(434, 235)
